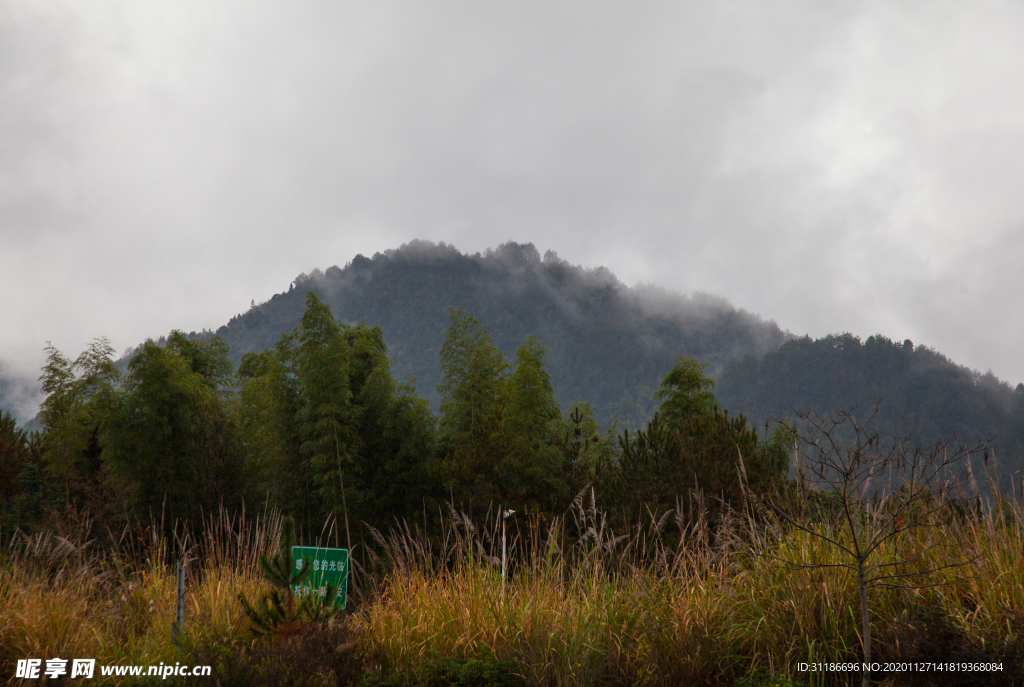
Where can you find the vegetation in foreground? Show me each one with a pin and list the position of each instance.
(658, 603)
(707, 561)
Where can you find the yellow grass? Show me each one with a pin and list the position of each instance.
(593, 608)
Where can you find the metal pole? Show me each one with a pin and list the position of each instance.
(181, 596)
(504, 567)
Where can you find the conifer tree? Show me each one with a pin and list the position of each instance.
(278, 613)
(473, 369)
(325, 408)
(687, 392)
(533, 468)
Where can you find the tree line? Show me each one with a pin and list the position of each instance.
(319, 427)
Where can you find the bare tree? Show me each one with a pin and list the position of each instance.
(864, 493)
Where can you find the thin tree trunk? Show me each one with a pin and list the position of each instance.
(865, 624)
(341, 479)
(344, 508)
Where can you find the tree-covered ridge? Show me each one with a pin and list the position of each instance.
(318, 427)
(607, 343)
(923, 395)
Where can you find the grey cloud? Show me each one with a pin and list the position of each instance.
(832, 167)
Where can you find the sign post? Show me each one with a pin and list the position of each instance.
(327, 566)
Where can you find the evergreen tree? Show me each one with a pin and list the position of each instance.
(328, 430)
(13, 453)
(473, 370)
(278, 613)
(169, 436)
(325, 409)
(687, 393)
(533, 468)
(470, 422)
(692, 445)
(395, 434)
(77, 396)
(267, 419)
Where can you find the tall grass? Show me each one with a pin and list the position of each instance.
(665, 600)
(671, 602)
(67, 594)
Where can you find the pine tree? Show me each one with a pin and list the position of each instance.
(278, 613)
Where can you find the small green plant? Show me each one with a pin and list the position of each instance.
(278, 613)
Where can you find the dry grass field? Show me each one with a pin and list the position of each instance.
(663, 602)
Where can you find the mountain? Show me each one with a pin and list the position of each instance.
(19, 396)
(921, 394)
(609, 344)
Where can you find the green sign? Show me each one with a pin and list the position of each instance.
(327, 566)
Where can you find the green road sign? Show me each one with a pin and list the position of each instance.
(327, 566)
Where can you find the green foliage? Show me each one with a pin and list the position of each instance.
(327, 428)
(687, 394)
(168, 437)
(278, 613)
(697, 448)
(266, 416)
(396, 434)
(208, 358)
(320, 426)
(473, 370)
(607, 341)
(325, 408)
(21, 479)
(13, 454)
(533, 466)
(78, 395)
(613, 345)
(503, 435)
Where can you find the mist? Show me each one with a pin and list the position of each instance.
(829, 167)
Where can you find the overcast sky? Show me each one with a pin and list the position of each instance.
(832, 166)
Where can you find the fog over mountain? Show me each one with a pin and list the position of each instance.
(834, 166)
(19, 394)
(609, 344)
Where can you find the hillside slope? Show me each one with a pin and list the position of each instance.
(921, 394)
(609, 344)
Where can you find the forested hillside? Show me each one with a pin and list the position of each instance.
(609, 344)
(319, 427)
(314, 421)
(921, 394)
